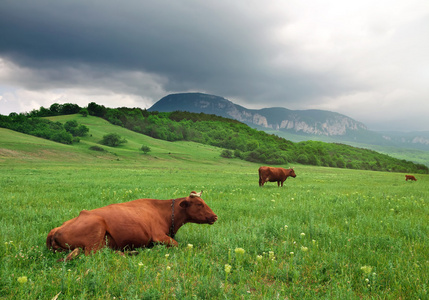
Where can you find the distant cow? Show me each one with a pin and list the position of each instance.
(272, 174)
(129, 225)
(410, 177)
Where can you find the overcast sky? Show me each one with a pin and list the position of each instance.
(366, 59)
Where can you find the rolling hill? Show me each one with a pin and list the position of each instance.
(23, 148)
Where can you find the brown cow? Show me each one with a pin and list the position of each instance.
(410, 177)
(272, 174)
(129, 225)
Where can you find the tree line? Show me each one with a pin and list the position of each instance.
(238, 139)
(55, 131)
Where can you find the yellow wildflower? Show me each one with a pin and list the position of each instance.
(22, 279)
(366, 269)
(228, 268)
(239, 250)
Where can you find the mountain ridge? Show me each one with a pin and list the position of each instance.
(316, 122)
(310, 124)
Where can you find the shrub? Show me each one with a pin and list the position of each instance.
(145, 149)
(62, 137)
(96, 148)
(112, 140)
(226, 154)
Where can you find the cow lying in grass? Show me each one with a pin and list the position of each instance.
(129, 225)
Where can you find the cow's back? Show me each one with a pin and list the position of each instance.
(143, 212)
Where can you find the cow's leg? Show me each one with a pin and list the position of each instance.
(86, 232)
(166, 240)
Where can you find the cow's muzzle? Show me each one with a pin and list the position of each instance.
(211, 220)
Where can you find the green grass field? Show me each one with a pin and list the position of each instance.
(329, 233)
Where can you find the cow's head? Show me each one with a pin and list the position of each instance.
(197, 210)
(292, 172)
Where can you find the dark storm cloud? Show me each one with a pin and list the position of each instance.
(216, 47)
(356, 58)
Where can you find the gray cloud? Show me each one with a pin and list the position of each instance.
(259, 54)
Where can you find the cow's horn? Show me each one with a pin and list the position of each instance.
(195, 194)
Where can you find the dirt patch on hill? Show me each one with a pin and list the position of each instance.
(40, 154)
(9, 153)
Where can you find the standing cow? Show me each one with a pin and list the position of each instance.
(129, 225)
(272, 174)
(410, 177)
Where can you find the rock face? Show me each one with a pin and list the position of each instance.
(312, 122)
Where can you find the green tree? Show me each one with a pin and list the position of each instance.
(81, 130)
(75, 129)
(84, 112)
(340, 163)
(112, 140)
(302, 159)
(70, 126)
(96, 110)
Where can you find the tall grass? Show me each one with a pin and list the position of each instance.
(329, 233)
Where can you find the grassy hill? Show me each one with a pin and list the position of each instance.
(414, 155)
(329, 233)
(25, 148)
(238, 140)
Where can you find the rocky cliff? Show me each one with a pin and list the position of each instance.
(312, 122)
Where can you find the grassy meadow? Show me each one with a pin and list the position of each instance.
(329, 233)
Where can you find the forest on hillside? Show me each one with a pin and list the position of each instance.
(239, 140)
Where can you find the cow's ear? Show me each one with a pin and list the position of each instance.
(185, 203)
